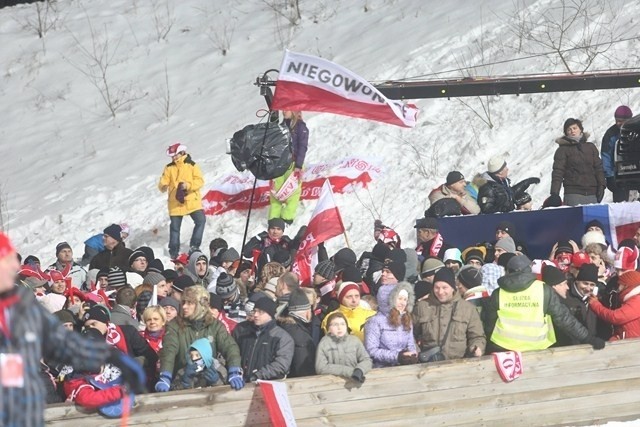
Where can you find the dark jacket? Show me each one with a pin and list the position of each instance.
(299, 141)
(262, 241)
(579, 309)
(304, 353)
(607, 150)
(36, 334)
(577, 167)
(495, 194)
(139, 347)
(560, 315)
(266, 351)
(120, 316)
(118, 257)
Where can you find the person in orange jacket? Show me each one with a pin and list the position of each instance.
(626, 319)
(182, 180)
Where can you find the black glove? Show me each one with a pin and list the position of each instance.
(358, 375)
(404, 359)
(599, 194)
(181, 193)
(596, 343)
(611, 183)
(132, 373)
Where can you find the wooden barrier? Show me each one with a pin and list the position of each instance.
(565, 386)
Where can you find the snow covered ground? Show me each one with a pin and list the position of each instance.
(70, 167)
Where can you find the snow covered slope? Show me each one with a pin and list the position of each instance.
(70, 167)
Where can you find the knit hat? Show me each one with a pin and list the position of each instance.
(453, 177)
(522, 199)
(580, 258)
(230, 255)
(226, 287)
(496, 164)
(507, 244)
(396, 263)
(626, 258)
(30, 259)
(175, 149)
(503, 259)
(326, 269)
(380, 251)
(351, 274)
(623, 112)
(6, 247)
(474, 252)
(169, 275)
(102, 273)
(170, 302)
(564, 246)
(152, 279)
(60, 246)
(65, 316)
(343, 258)
(182, 283)
(270, 286)
(216, 301)
(346, 287)
(630, 278)
(298, 301)
(423, 288)
(137, 254)
(267, 305)
(430, 266)
(507, 227)
(445, 275)
(114, 231)
(388, 235)
(470, 276)
(251, 302)
(588, 273)
(594, 223)
(97, 312)
(427, 222)
(276, 222)
(552, 276)
(519, 264)
(116, 277)
(156, 266)
(593, 237)
(452, 254)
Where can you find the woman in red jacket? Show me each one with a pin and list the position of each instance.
(626, 319)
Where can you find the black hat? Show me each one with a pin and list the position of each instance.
(507, 227)
(282, 257)
(588, 273)
(326, 269)
(298, 301)
(251, 301)
(170, 275)
(522, 198)
(60, 246)
(396, 263)
(102, 273)
(343, 258)
(453, 177)
(267, 305)
(427, 222)
(137, 254)
(470, 277)
(351, 274)
(519, 264)
(504, 259)
(423, 288)
(97, 312)
(116, 277)
(65, 316)
(564, 246)
(93, 334)
(148, 252)
(215, 301)
(445, 275)
(182, 282)
(276, 222)
(31, 259)
(114, 231)
(156, 266)
(552, 276)
(474, 254)
(226, 287)
(594, 223)
(229, 255)
(380, 251)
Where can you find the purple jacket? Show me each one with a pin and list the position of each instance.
(383, 341)
(299, 141)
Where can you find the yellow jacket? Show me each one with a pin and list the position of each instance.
(182, 170)
(356, 318)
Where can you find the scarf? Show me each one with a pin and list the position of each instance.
(436, 245)
(116, 338)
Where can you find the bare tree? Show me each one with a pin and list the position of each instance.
(222, 34)
(287, 9)
(165, 102)
(570, 33)
(163, 19)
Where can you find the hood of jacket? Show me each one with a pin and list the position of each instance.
(191, 266)
(516, 282)
(387, 295)
(204, 348)
(565, 140)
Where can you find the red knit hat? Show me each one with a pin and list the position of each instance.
(580, 258)
(346, 287)
(626, 258)
(6, 247)
(630, 278)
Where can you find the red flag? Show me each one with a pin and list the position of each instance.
(324, 224)
(278, 405)
(309, 83)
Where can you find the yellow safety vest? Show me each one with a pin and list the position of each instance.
(522, 324)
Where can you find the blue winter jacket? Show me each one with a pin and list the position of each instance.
(95, 242)
(607, 150)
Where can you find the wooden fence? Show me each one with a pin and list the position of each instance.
(564, 386)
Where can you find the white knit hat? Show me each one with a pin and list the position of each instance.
(496, 164)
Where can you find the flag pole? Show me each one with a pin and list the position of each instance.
(344, 233)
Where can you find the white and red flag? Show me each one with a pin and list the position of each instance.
(277, 401)
(309, 83)
(324, 224)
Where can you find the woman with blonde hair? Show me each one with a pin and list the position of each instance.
(155, 319)
(269, 271)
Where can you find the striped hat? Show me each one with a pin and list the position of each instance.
(116, 277)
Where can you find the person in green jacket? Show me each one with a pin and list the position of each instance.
(196, 322)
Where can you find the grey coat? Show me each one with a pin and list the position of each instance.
(340, 356)
(120, 316)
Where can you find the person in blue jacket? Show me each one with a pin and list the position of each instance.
(95, 244)
(607, 152)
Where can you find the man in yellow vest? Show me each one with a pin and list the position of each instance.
(522, 313)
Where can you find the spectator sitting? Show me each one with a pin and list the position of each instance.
(201, 369)
(455, 188)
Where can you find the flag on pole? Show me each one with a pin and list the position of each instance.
(278, 405)
(309, 83)
(324, 224)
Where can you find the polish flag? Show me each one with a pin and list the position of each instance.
(624, 221)
(277, 401)
(324, 224)
(309, 83)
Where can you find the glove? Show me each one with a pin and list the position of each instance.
(211, 376)
(600, 194)
(358, 375)
(404, 359)
(187, 377)
(596, 343)
(611, 183)
(297, 172)
(164, 383)
(235, 378)
(132, 373)
(181, 193)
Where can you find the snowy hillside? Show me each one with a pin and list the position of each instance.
(71, 167)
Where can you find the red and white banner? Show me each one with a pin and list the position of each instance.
(324, 224)
(309, 83)
(278, 405)
(509, 365)
(233, 191)
(624, 221)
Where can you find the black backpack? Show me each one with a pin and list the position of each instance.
(264, 149)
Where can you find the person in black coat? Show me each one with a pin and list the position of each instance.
(115, 253)
(297, 324)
